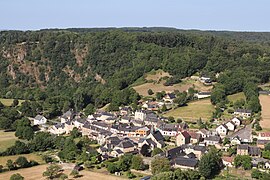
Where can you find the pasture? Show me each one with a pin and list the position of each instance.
(193, 111)
(8, 102)
(7, 139)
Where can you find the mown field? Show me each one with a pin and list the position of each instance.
(193, 111)
(8, 102)
(7, 139)
(265, 103)
(157, 84)
(35, 173)
(35, 157)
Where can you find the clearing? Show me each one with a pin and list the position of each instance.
(35, 172)
(8, 102)
(193, 111)
(7, 139)
(35, 157)
(265, 103)
(237, 96)
(154, 81)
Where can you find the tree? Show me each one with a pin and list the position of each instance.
(210, 164)
(181, 99)
(1, 168)
(52, 171)
(164, 108)
(75, 133)
(112, 167)
(124, 162)
(22, 162)
(10, 164)
(75, 173)
(150, 92)
(160, 164)
(145, 150)
(16, 176)
(226, 141)
(63, 177)
(156, 151)
(89, 109)
(267, 147)
(15, 103)
(244, 161)
(137, 163)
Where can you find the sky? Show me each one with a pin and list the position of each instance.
(234, 15)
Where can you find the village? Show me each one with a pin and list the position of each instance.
(145, 132)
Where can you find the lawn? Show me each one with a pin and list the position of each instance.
(237, 96)
(35, 157)
(8, 102)
(193, 111)
(7, 139)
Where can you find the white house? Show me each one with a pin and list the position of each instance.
(169, 97)
(40, 120)
(222, 130)
(231, 126)
(202, 95)
(141, 115)
(236, 121)
(57, 129)
(243, 112)
(236, 140)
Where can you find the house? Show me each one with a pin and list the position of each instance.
(264, 92)
(245, 149)
(168, 129)
(142, 131)
(230, 125)
(184, 163)
(222, 130)
(153, 140)
(212, 140)
(244, 134)
(243, 112)
(78, 123)
(227, 161)
(140, 115)
(203, 132)
(40, 120)
(183, 138)
(169, 97)
(104, 115)
(67, 116)
(175, 152)
(264, 136)
(125, 111)
(194, 137)
(197, 150)
(69, 125)
(126, 146)
(125, 119)
(236, 121)
(57, 129)
(261, 143)
(201, 95)
(236, 140)
(205, 79)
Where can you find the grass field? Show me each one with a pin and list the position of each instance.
(7, 139)
(265, 103)
(35, 157)
(193, 111)
(8, 102)
(35, 173)
(237, 96)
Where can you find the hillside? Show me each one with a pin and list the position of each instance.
(74, 67)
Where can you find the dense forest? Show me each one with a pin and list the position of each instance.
(77, 68)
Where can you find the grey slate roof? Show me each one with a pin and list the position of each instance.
(212, 138)
(39, 117)
(125, 144)
(188, 162)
